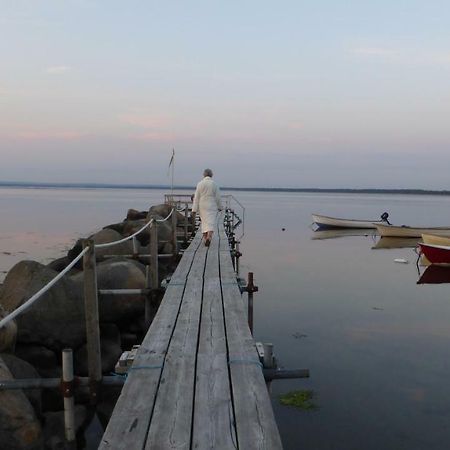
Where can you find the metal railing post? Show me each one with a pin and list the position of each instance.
(92, 319)
(68, 394)
(153, 274)
(250, 289)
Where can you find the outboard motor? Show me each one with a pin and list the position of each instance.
(384, 218)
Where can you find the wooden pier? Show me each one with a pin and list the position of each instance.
(196, 381)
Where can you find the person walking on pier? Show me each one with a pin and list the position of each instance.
(207, 202)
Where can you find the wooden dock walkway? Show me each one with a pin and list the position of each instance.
(196, 382)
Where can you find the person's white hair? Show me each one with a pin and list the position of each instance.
(207, 173)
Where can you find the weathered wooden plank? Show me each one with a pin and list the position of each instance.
(255, 423)
(171, 423)
(213, 426)
(128, 426)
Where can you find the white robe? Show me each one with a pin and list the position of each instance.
(207, 202)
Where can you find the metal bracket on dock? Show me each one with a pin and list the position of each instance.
(270, 367)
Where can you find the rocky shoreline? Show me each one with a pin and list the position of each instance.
(30, 346)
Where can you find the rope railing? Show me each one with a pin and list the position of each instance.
(41, 292)
(52, 282)
(120, 241)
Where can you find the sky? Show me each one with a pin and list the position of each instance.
(320, 93)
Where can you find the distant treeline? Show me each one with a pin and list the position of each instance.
(225, 188)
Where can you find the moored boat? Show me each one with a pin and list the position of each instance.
(324, 222)
(405, 231)
(435, 239)
(435, 275)
(395, 242)
(436, 254)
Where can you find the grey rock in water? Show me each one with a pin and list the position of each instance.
(134, 214)
(111, 349)
(116, 227)
(118, 273)
(164, 209)
(59, 264)
(20, 370)
(56, 320)
(20, 428)
(44, 360)
(132, 226)
(164, 229)
(104, 236)
(110, 352)
(8, 333)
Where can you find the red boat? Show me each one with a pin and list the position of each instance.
(435, 275)
(436, 254)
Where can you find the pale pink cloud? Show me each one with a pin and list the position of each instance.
(373, 51)
(57, 70)
(42, 135)
(154, 136)
(143, 120)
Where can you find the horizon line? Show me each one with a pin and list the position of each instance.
(28, 184)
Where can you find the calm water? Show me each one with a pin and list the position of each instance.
(376, 343)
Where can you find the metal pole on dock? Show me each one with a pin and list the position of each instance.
(68, 391)
(92, 319)
(250, 289)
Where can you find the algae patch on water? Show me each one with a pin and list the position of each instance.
(299, 399)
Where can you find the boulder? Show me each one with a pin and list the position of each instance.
(103, 236)
(107, 235)
(55, 320)
(8, 333)
(118, 273)
(116, 227)
(20, 370)
(132, 226)
(110, 352)
(133, 214)
(164, 209)
(164, 229)
(20, 429)
(41, 358)
(59, 264)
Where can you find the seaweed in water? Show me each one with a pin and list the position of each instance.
(302, 399)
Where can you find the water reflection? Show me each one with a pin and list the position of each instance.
(435, 275)
(344, 232)
(395, 242)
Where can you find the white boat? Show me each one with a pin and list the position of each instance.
(335, 222)
(384, 229)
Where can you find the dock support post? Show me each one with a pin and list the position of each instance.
(153, 276)
(92, 320)
(148, 297)
(68, 391)
(186, 222)
(174, 234)
(250, 289)
(135, 248)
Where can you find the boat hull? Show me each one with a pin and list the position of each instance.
(435, 240)
(436, 254)
(404, 231)
(326, 222)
